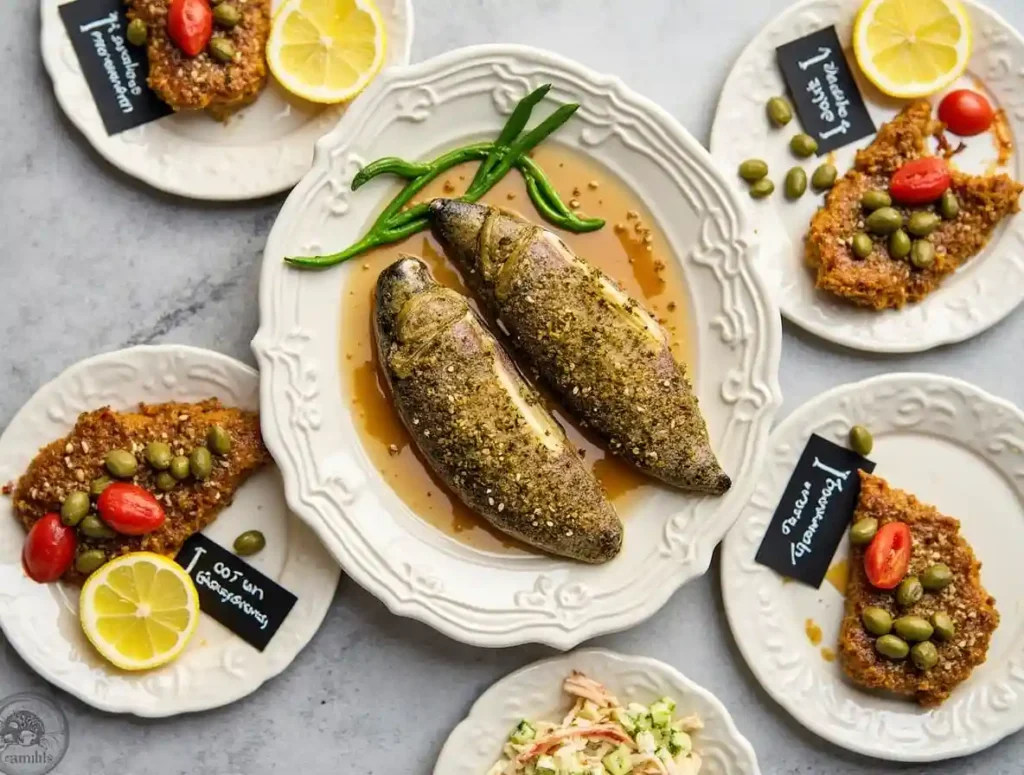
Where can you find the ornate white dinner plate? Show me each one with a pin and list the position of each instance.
(953, 446)
(264, 149)
(41, 620)
(471, 595)
(535, 692)
(981, 293)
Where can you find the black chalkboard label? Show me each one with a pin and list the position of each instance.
(234, 593)
(827, 99)
(115, 70)
(814, 512)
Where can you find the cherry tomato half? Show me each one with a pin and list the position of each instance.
(888, 556)
(129, 509)
(190, 25)
(966, 113)
(920, 181)
(49, 549)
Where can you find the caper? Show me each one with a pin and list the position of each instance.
(876, 620)
(892, 647)
(909, 591)
(137, 33)
(862, 245)
(779, 111)
(74, 508)
(98, 485)
(226, 15)
(861, 440)
(158, 455)
(922, 223)
(922, 254)
(824, 177)
(884, 221)
(249, 543)
(121, 463)
(89, 562)
(222, 49)
(180, 468)
(913, 628)
(752, 170)
(165, 482)
(218, 440)
(899, 245)
(936, 577)
(875, 200)
(944, 627)
(94, 527)
(924, 655)
(949, 205)
(200, 463)
(863, 530)
(796, 183)
(762, 188)
(803, 145)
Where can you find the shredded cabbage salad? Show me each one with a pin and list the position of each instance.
(601, 737)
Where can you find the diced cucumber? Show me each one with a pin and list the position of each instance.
(597, 769)
(523, 733)
(590, 711)
(644, 722)
(645, 742)
(618, 762)
(669, 702)
(627, 720)
(546, 766)
(680, 742)
(661, 714)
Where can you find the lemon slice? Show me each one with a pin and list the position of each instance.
(326, 50)
(912, 48)
(139, 610)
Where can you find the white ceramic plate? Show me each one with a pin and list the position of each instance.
(473, 596)
(264, 149)
(535, 692)
(982, 293)
(953, 446)
(41, 621)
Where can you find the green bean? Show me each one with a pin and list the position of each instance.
(512, 129)
(389, 165)
(551, 211)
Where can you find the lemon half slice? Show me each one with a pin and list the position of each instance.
(912, 48)
(326, 50)
(139, 610)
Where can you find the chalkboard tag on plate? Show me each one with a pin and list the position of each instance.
(814, 512)
(234, 593)
(829, 104)
(114, 69)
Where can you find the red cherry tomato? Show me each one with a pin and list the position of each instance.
(190, 25)
(888, 556)
(920, 181)
(49, 549)
(129, 509)
(966, 112)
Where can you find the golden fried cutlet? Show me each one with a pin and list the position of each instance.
(880, 281)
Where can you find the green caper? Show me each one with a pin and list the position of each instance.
(944, 627)
(884, 221)
(89, 562)
(249, 543)
(200, 463)
(98, 485)
(924, 655)
(803, 145)
(922, 254)
(222, 49)
(863, 530)
(752, 170)
(892, 647)
(121, 463)
(165, 482)
(861, 440)
(158, 455)
(226, 15)
(936, 577)
(796, 183)
(913, 628)
(876, 620)
(180, 468)
(218, 440)
(875, 200)
(780, 112)
(862, 245)
(74, 508)
(899, 245)
(137, 33)
(949, 205)
(824, 177)
(94, 527)
(762, 188)
(909, 591)
(922, 223)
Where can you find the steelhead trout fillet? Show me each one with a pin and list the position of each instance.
(480, 426)
(602, 353)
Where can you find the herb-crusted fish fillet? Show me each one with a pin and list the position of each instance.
(481, 427)
(602, 353)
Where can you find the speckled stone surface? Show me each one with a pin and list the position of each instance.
(92, 261)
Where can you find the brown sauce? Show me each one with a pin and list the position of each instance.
(829, 655)
(813, 632)
(630, 249)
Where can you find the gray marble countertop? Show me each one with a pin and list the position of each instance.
(92, 261)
